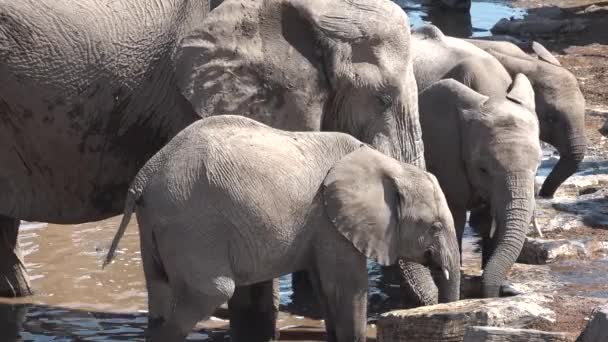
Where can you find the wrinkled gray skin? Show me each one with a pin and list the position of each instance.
(457, 59)
(560, 105)
(89, 91)
(230, 201)
(451, 58)
(87, 96)
(315, 65)
(485, 150)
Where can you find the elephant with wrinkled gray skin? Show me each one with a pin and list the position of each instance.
(451, 58)
(560, 104)
(485, 150)
(324, 66)
(230, 201)
(457, 59)
(92, 90)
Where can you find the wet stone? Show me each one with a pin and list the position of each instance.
(494, 334)
(543, 251)
(589, 208)
(447, 322)
(597, 329)
(535, 26)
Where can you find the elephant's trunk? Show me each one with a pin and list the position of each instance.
(571, 155)
(512, 208)
(448, 259)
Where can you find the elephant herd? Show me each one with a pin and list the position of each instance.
(260, 138)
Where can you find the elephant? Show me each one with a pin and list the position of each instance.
(230, 201)
(457, 59)
(357, 49)
(485, 151)
(103, 86)
(560, 105)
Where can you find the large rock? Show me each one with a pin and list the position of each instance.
(535, 26)
(494, 334)
(543, 251)
(597, 329)
(447, 322)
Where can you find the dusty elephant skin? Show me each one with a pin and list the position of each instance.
(312, 65)
(232, 202)
(485, 150)
(560, 105)
(105, 95)
(87, 96)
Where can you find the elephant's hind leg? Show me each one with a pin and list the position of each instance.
(14, 280)
(253, 312)
(189, 306)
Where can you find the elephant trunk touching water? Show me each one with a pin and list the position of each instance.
(511, 209)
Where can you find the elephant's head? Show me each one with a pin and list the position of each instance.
(560, 107)
(334, 65)
(486, 150)
(391, 210)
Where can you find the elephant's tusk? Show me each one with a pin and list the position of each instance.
(446, 274)
(535, 224)
(493, 228)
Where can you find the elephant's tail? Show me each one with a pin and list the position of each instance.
(133, 196)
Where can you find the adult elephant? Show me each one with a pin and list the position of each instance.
(485, 150)
(560, 105)
(90, 92)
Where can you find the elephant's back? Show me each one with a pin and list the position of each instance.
(264, 171)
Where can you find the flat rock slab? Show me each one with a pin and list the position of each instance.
(532, 26)
(543, 251)
(597, 329)
(494, 334)
(447, 322)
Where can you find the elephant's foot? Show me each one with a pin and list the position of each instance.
(14, 281)
(253, 312)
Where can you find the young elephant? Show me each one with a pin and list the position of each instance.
(485, 150)
(560, 105)
(231, 202)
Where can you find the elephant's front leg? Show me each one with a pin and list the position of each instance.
(342, 287)
(253, 312)
(14, 281)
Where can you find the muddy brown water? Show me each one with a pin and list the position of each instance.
(75, 300)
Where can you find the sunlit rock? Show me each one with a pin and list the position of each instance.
(447, 322)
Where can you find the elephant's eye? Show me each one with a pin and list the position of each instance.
(483, 171)
(385, 100)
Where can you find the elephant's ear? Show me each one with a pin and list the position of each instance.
(258, 59)
(544, 54)
(522, 92)
(363, 203)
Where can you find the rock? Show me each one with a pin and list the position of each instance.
(538, 26)
(447, 322)
(593, 8)
(543, 251)
(597, 329)
(493, 334)
(581, 201)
